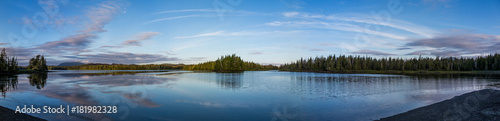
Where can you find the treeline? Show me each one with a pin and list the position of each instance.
(338, 63)
(229, 63)
(99, 66)
(7, 64)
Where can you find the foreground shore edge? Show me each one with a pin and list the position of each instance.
(482, 105)
(9, 115)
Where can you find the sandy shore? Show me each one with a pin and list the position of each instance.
(9, 115)
(482, 105)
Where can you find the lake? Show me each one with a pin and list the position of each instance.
(252, 95)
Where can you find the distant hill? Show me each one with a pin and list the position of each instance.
(71, 64)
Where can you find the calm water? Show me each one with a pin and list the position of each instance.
(252, 95)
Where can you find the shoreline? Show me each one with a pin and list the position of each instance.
(480, 105)
(397, 72)
(34, 72)
(23, 72)
(10, 115)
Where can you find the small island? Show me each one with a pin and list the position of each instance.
(229, 63)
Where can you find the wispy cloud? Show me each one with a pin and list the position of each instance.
(403, 48)
(462, 41)
(110, 46)
(334, 26)
(366, 19)
(186, 10)
(371, 52)
(205, 10)
(101, 15)
(176, 17)
(291, 14)
(217, 33)
(456, 45)
(204, 13)
(238, 33)
(123, 57)
(98, 17)
(437, 52)
(256, 53)
(78, 41)
(311, 48)
(317, 49)
(140, 37)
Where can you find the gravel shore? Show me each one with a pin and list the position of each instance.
(10, 115)
(482, 105)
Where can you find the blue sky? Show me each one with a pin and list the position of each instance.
(262, 31)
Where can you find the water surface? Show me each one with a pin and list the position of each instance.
(252, 95)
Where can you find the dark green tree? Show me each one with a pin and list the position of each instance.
(342, 62)
(38, 63)
(229, 63)
(7, 64)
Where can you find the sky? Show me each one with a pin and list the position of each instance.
(262, 31)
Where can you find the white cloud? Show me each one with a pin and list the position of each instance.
(238, 33)
(186, 10)
(140, 37)
(98, 16)
(204, 10)
(217, 33)
(278, 23)
(336, 26)
(290, 14)
(366, 19)
(455, 45)
(200, 14)
(171, 18)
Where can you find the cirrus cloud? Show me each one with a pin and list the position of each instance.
(123, 57)
(457, 45)
(98, 16)
(371, 52)
(140, 37)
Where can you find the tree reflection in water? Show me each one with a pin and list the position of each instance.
(229, 80)
(7, 83)
(38, 79)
